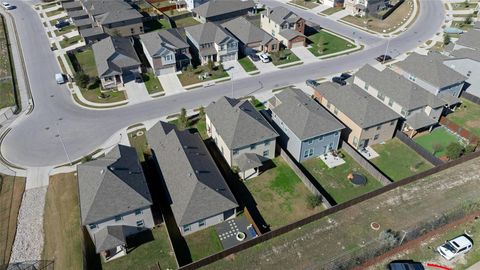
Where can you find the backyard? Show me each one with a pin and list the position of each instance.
(467, 116)
(398, 161)
(189, 77)
(284, 56)
(152, 83)
(62, 210)
(437, 141)
(247, 64)
(324, 43)
(185, 22)
(138, 140)
(281, 197)
(153, 25)
(203, 243)
(145, 250)
(7, 94)
(11, 194)
(335, 181)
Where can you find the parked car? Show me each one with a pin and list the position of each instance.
(312, 83)
(62, 24)
(345, 76)
(7, 6)
(254, 57)
(339, 80)
(452, 248)
(383, 58)
(264, 57)
(60, 78)
(405, 265)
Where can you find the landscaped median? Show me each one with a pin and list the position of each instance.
(7, 91)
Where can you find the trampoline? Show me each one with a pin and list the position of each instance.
(357, 179)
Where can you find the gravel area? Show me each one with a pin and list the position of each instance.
(28, 243)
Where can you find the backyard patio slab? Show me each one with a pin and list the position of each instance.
(227, 231)
(332, 161)
(369, 153)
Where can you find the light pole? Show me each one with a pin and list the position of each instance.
(63, 144)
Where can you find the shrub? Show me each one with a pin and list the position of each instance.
(182, 119)
(454, 150)
(389, 237)
(313, 201)
(470, 148)
(446, 40)
(82, 79)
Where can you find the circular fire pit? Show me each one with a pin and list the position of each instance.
(240, 236)
(375, 226)
(357, 179)
(140, 133)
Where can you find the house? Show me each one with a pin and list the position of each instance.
(468, 40)
(209, 42)
(167, 51)
(368, 121)
(198, 194)
(429, 72)
(306, 129)
(284, 25)
(116, 61)
(419, 107)
(251, 38)
(365, 7)
(332, 3)
(221, 10)
(241, 133)
(466, 62)
(191, 4)
(114, 200)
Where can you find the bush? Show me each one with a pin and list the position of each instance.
(454, 150)
(446, 40)
(470, 148)
(389, 237)
(182, 119)
(313, 201)
(82, 79)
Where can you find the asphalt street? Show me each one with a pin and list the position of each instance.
(58, 130)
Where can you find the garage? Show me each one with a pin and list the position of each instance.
(228, 57)
(167, 70)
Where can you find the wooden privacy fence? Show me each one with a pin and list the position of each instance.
(457, 129)
(471, 98)
(418, 149)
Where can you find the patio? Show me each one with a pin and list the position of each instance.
(227, 231)
(332, 160)
(368, 153)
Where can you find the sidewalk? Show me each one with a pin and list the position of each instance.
(474, 267)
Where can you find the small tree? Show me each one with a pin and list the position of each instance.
(190, 68)
(470, 148)
(313, 201)
(454, 150)
(182, 119)
(210, 65)
(389, 237)
(82, 79)
(436, 148)
(468, 20)
(201, 113)
(446, 40)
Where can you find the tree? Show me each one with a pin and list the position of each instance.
(201, 113)
(436, 148)
(313, 201)
(468, 20)
(454, 150)
(389, 237)
(182, 119)
(210, 65)
(82, 79)
(446, 40)
(470, 148)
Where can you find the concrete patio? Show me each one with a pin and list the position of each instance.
(331, 161)
(368, 153)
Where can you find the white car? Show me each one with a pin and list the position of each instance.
(264, 57)
(7, 6)
(455, 247)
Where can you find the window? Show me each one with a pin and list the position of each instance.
(132, 31)
(328, 105)
(274, 46)
(320, 138)
(253, 146)
(138, 212)
(92, 226)
(141, 29)
(140, 223)
(310, 152)
(266, 153)
(267, 143)
(201, 223)
(235, 152)
(118, 218)
(376, 137)
(305, 154)
(412, 78)
(186, 228)
(379, 127)
(380, 96)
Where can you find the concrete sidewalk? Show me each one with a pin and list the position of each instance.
(474, 267)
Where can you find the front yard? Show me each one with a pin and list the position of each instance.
(138, 140)
(195, 124)
(332, 10)
(189, 77)
(247, 64)
(398, 161)
(324, 43)
(62, 210)
(64, 30)
(467, 116)
(203, 243)
(69, 41)
(437, 141)
(152, 83)
(335, 180)
(54, 12)
(283, 57)
(280, 195)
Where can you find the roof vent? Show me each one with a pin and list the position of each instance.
(189, 174)
(102, 171)
(111, 168)
(197, 171)
(185, 147)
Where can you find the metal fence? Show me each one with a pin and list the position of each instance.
(418, 149)
(285, 229)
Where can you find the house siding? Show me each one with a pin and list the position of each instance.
(209, 221)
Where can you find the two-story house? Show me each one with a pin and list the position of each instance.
(429, 72)
(419, 107)
(209, 42)
(191, 4)
(219, 11)
(114, 200)
(199, 195)
(365, 7)
(116, 61)
(368, 121)
(284, 25)
(167, 51)
(241, 133)
(306, 129)
(332, 3)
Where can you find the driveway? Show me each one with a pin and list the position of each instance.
(265, 67)
(171, 84)
(304, 54)
(235, 70)
(338, 15)
(136, 92)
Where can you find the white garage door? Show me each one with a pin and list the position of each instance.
(297, 44)
(164, 71)
(227, 57)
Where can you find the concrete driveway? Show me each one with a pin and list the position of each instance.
(265, 67)
(304, 54)
(136, 92)
(235, 70)
(171, 84)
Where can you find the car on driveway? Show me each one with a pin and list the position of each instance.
(312, 83)
(254, 57)
(7, 6)
(383, 58)
(457, 246)
(264, 57)
(345, 76)
(339, 80)
(62, 24)
(405, 265)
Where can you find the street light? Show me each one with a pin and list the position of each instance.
(62, 143)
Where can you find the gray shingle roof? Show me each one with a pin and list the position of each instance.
(73, 4)
(465, 53)
(238, 123)
(470, 39)
(249, 161)
(207, 33)
(304, 116)
(110, 237)
(91, 32)
(290, 34)
(403, 91)
(159, 42)
(111, 11)
(281, 14)
(429, 68)
(77, 13)
(196, 187)
(112, 54)
(112, 185)
(246, 32)
(82, 22)
(214, 8)
(356, 104)
(420, 120)
(477, 24)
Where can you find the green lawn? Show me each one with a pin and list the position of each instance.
(305, 3)
(66, 29)
(144, 253)
(185, 22)
(247, 64)
(70, 41)
(398, 161)
(86, 60)
(156, 25)
(280, 195)
(332, 10)
(257, 104)
(195, 125)
(464, 5)
(283, 57)
(53, 22)
(324, 43)
(54, 12)
(467, 116)
(152, 83)
(438, 136)
(49, 5)
(335, 180)
(203, 243)
(191, 77)
(7, 94)
(94, 94)
(139, 142)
